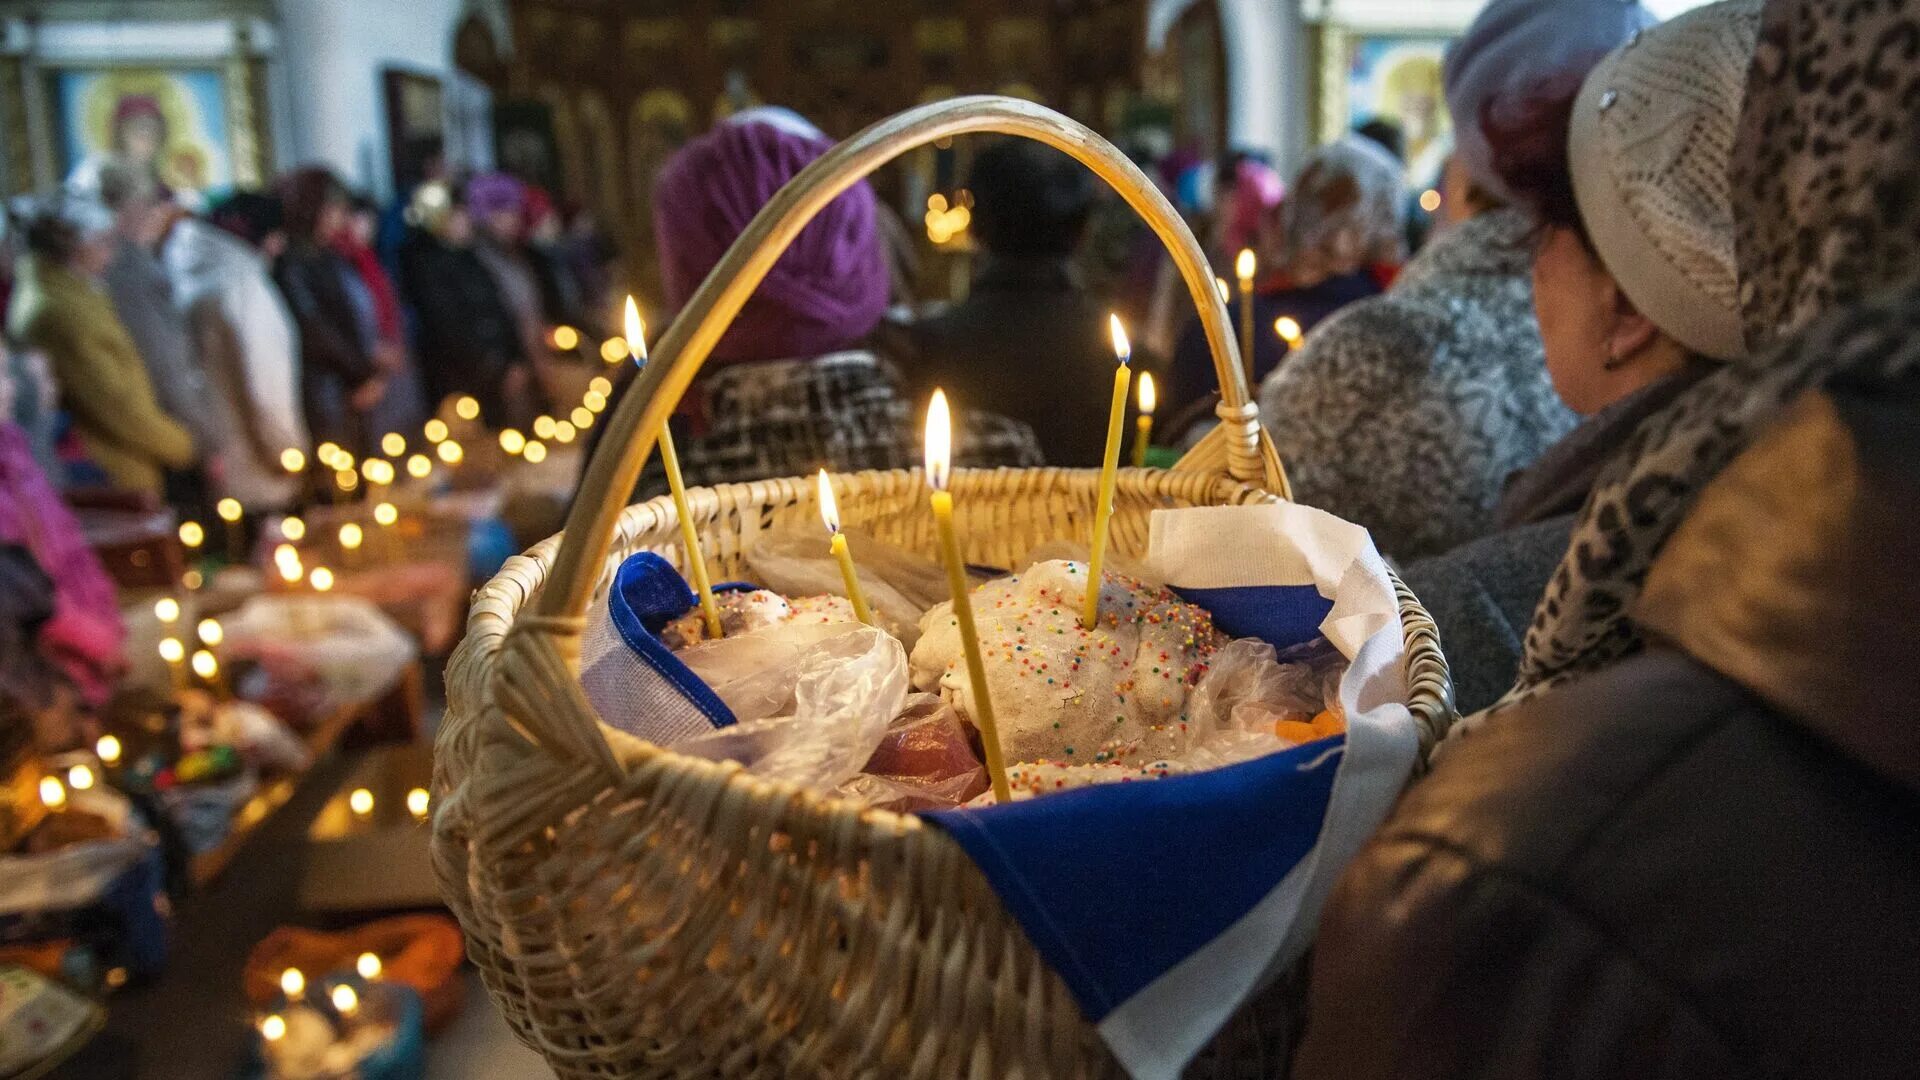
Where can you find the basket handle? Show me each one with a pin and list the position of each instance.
(635, 426)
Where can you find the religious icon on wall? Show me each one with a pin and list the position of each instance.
(169, 123)
(1397, 78)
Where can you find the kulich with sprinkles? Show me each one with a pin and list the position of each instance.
(1113, 695)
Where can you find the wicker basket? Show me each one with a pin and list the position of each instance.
(639, 913)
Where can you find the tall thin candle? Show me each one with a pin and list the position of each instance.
(1143, 426)
(1109, 467)
(830, 513)
(670, 458)
(1243, 268)
(939, 471)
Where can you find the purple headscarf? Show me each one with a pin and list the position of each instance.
(825, 293)
(495, 192)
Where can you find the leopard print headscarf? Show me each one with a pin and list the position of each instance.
(1826, 176)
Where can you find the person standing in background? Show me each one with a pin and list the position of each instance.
(1334, 240)
(142, 295)
(468, 341)
(1027, 322)
(246, 339)
(498, 204)
(376, 307)
(60, 310)
(341, 382)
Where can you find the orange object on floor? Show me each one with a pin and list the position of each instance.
(422, 951)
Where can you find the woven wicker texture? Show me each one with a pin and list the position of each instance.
(636, 913)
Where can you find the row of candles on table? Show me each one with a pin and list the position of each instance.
(341, 994)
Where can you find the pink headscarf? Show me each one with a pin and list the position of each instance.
(86, 635)
(826, 292)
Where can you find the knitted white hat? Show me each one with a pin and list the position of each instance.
(1651, 137)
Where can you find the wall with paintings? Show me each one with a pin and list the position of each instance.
(185, 99)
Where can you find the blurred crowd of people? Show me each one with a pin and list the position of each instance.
(181, 354)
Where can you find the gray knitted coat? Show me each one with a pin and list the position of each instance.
(1406, 412)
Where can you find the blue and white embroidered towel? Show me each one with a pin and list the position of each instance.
(1165, 905)
(630, 675)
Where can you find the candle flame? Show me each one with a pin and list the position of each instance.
(393, 444)
(418, 801)
(108, 748)
(320, 578)
(829, 510)
(351, 536)
(345, 1001)
(204, 665)
(53, 794)
(293, 528)
(292, 460)
(273, 1028)
(167, 609)
(292, 982)
(1288, 328)
(1121, 346)
(939, 442)
(172, 651)
(1148, 399)
(636, 332)
(368, 965)
(228, 509)
(79, 778)
(191, 534)
(210, 632)
(360, 801)
(1244, 265)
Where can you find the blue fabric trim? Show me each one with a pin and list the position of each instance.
(647, 594)
(1117, 884)
(1280, 615)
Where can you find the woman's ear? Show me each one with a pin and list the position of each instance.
(1630, 334)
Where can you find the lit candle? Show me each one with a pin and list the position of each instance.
(53, 794)
(293, 460)
(636, 341)
(417, 803)
(273, 1027)
(109, 749)
(393, 444)
(192, 536)
(1109, 469)
(293, 983)
(80, 777)
(1243, 268)
(351, 536)
(346, 1001)
(450, 452)
(208, 669)
(167, 610)
(368, 965)
(466, 408)
(360, 801)
(1143, 426)
(939, 471)
(174, 653)
(512, 441)
(1288, 328)
(419, 466)
(293, 529)
(830, 513)
(321, 579)
(436, 430)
